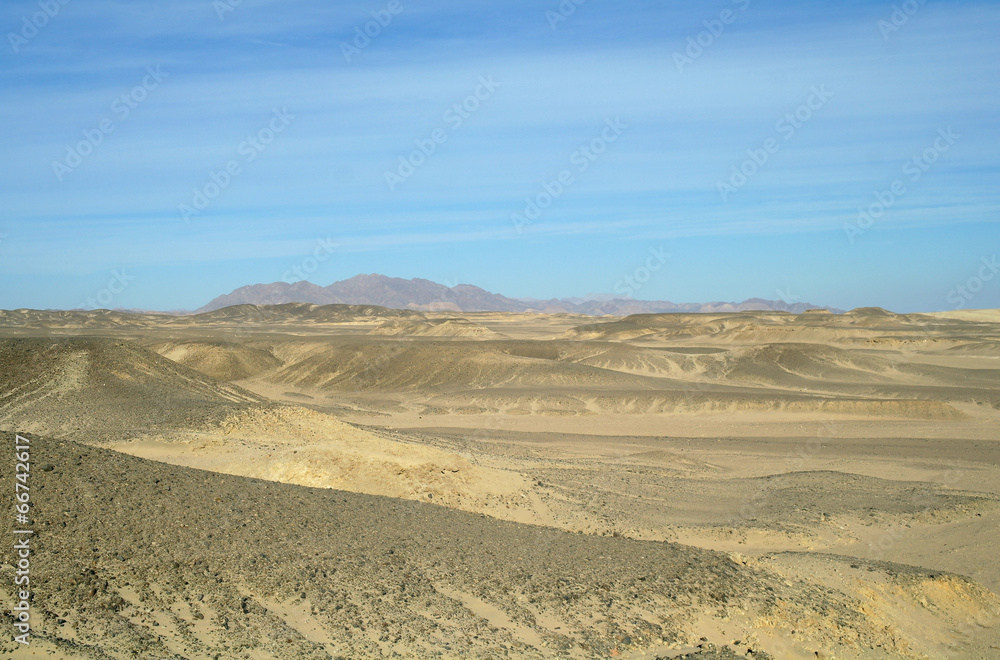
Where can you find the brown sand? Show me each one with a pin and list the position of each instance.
(818, 453)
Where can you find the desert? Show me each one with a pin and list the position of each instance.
(499, 330)
(337, 481)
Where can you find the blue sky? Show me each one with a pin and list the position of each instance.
(825, 105)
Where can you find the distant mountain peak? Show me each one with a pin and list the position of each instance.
(425, 295)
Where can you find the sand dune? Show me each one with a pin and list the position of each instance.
(221, 360)
(867, 325)
(406, 366)
(298, 314)
(304, 447)
(976, 315)
(575, 401)
(666, 379)
(434, 328)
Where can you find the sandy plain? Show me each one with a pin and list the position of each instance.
(345, 481)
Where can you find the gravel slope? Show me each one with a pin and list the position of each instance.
(137, 558)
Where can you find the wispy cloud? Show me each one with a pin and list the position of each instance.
(687, 129)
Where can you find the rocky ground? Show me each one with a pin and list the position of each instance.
(139, 559)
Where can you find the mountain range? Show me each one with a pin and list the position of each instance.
(425, 295)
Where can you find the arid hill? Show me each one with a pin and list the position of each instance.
(79, 387)
(139, 558)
